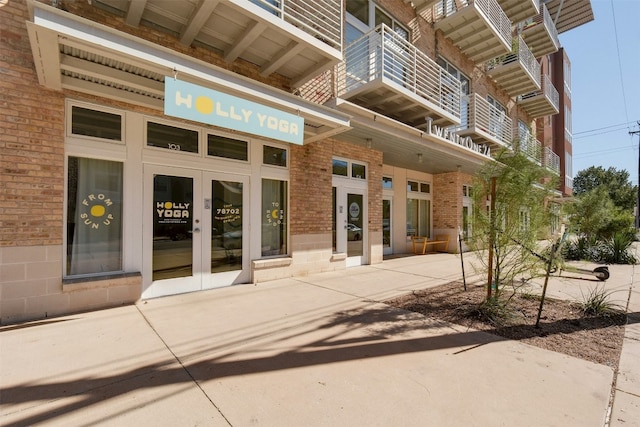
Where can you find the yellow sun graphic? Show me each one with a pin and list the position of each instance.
(97, 210)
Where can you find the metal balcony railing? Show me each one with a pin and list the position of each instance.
(490, 8)
(551, 160)
(486, 119)
(541, 44)
(384, 55)
(543, 102)
(319, 18)
(509, 77)
(528, 145)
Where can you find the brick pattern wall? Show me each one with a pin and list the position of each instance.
(447, 200)
(31, 141)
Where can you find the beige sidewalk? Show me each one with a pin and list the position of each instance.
(314, 351)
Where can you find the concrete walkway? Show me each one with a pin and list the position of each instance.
(321, 350)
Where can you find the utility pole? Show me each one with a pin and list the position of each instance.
(637, 132)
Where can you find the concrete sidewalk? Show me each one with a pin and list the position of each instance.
(313, 351)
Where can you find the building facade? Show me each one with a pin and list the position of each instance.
(152, 148)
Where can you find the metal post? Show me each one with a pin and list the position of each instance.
(492, 233)
(637, 132)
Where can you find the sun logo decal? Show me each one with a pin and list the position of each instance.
(96, 211)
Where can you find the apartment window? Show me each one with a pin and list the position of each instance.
(567, 119)
(228, 148)
(274, 217)
(172, 138)
(465, 90)
(274, 156)
(96, 123)
(387, 183)
(94, 216)
(418, 208)
(368, 13)
(567, 75)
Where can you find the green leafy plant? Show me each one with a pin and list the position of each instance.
(597, 303)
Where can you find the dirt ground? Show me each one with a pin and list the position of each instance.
(563, 327)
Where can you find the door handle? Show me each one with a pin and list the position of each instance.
(196, 230)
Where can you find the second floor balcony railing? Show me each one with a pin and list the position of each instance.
(480, 28)
(541, 34)
(486, 122)
(528, 144)
(386, 73)
(543, 102)
(551, 160)
(320, 18)
(517, 72)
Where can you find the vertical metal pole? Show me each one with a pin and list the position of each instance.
(492, 228)
(464, 278)
(637, 132)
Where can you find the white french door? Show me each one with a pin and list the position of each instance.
(196, 233)
(351, 224)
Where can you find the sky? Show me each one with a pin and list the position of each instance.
(605, 87)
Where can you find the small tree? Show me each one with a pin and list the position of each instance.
(521, 215)
(616, 182)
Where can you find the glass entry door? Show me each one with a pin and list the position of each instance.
(194, 232)
(350, 224)
(387, 247)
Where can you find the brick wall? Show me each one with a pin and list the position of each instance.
(447, 200)
(31, 141)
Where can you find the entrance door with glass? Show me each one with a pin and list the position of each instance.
(195, 235)
(350, 224)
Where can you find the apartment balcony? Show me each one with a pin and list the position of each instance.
(519, 10)
(541, 34)
(551, 161)
(421, 5)
(294, 38)
(528, 145)
(484, 123)
(517, 72)
(480, 28)
(387, 74)
(543, 102)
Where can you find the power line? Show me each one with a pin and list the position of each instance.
(624, 98)
(626, 124)
(602, 133)
(599, 152)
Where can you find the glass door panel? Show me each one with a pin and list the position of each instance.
(386, 227)
(355, 225)
(172, 227)
(226, 226)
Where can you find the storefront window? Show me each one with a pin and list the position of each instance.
(418, 221)
(274, 156)
(340, 167)
(94, 216)
(97, 124)
(274, 217)
(219, 146)
(358, 171)
(172, 138)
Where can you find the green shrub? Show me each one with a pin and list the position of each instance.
(596, 303)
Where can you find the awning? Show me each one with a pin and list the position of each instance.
(74, 53)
